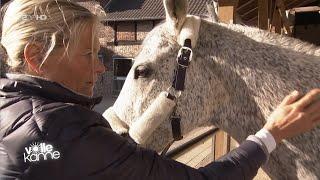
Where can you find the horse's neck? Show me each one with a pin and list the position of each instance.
(248, 78)
(245, 112)
(256, 77)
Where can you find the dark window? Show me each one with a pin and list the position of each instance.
(121, 68)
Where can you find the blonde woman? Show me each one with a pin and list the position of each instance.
(48, 130)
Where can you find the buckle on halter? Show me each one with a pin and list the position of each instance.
(183, 58)
(172, 92)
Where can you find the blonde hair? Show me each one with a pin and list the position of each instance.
(53, 23)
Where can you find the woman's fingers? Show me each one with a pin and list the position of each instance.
(293, 117)
(308, 98)
(289, 99)
(314, 110)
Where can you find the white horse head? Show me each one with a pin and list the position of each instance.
(236, 77)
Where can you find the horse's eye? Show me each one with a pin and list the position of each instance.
(141, 72)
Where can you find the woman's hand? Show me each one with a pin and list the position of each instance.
(294, 117)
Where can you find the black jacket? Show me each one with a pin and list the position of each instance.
(48, 132)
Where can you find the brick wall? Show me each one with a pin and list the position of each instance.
(126, 31)
(143, 28)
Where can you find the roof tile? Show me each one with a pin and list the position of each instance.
(126, 10)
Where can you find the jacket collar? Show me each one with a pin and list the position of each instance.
(32, 85)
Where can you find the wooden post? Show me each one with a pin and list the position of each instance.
(276, 21)
(285, 21)
(221, 144)
(227, 10)
(263, 14)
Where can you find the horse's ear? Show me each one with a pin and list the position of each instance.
(176, 12)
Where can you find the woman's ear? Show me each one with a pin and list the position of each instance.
(176, 12)
(32, 56)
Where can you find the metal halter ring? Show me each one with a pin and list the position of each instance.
(174, 92)
(180, 52)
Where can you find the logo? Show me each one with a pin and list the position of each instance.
(34, 17)
(37, 152)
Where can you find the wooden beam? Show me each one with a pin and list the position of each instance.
(248, 12)
(263, 14)
(228, 3)
(135, 31)
(272, 5)
(306, 2)
(115, 38)
(282, 12)
(221, 144)
(227, 10)
(247, 8)
(245, 4)
(292, 3)
(226, 14)
(252, 21)
(305, 9)
(298, 3)
(276, 21)
(153, 23)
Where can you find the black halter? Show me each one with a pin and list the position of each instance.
(183, 60)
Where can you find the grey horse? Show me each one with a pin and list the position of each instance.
(237, 76)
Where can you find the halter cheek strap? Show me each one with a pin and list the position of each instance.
(187, 39)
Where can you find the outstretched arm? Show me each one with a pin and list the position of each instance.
(113, 156)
